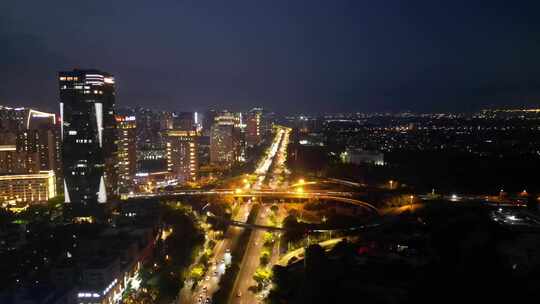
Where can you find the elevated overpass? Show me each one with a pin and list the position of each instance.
(344, 197)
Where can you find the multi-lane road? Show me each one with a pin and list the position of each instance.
(268, 171)
(250, 262)
(244, 280)
(210, 283)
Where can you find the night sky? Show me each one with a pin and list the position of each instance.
(285, 55)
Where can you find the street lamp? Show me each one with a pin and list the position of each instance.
(391, 182)
(411, 197)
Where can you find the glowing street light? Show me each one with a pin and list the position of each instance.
(301, 181)
(238, 191)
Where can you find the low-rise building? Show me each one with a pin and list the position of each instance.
(24, 189)
(357, 156)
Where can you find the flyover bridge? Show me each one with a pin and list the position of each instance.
(344, 197)
(312, 229)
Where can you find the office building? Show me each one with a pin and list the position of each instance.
(24, 189)
(182, 155)
(208, 121)
(88, 132)
(127, 151)
(30, 132)
(16, 161)
(254, 126)
(150, 123)
(29, 145)
(225, 140)
(13, 119)
(184, 121)
(221, 142)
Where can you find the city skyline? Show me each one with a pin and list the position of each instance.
(276, 152)
(307, 56)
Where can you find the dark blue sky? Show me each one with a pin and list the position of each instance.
(286, 55)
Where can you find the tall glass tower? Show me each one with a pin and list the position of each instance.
(87, 102)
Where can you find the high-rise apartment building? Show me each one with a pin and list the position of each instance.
(14, 161)
(29, 142)
(254, 126)
(127, 151)
(88, 131)
(41, 135)
(225, 140)
(13, 119)
(182, 155)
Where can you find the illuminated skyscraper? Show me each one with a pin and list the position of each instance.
(254, 126)
(127, 151)
(88, 132)
(225, 140)
(182, 155)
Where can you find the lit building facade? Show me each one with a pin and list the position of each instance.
(127, 151)
(17, 189)
(222, 143)
(13, 161)
(25, 133)
(227, 140)
(13, 119)
(182, 154)
(88, 132)
(254, 126)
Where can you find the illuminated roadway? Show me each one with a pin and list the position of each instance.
(229, 241)
(210, 284)
(250, 261)
(299, 253)
(325, 195)
(244, 279)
